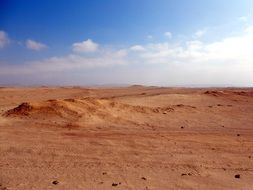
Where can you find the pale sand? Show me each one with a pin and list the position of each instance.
(71, 138)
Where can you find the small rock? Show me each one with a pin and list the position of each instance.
(237, 176)
(114, 184)
(182, 127)
(55, 182)
(183, 174)
(104, 173)
(144, 178)
(238, 135)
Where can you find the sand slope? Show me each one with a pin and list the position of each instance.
(126, 138)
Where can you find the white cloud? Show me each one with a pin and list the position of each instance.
(150, 37)
(137, 48)
(33, 45)
(85, 46)
(168, 34)
(199, 33)
(69, 63)
(243, 19)
(227, 61)
(4, 40)
(237, 49)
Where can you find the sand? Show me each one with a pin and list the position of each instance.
(134, 137)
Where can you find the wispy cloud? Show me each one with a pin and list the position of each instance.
(243, 19)
(168, 34)
(235, 48)
(69, 63)
(199, 33)
(4, 40)
(85, 46)
(149, 37)
(34, 45)
(137, 48)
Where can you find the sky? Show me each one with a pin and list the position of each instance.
(124, 42)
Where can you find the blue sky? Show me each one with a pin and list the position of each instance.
(152, 42)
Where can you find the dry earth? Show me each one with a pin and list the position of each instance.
(144, 138)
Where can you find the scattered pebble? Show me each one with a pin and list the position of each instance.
(182, 127)
(237, 176)
(144, 178)
(114, 184)
(238, 135)
(183, 174)
(55, 182)
(104, 173)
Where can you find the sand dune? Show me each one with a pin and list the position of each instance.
(126, 138)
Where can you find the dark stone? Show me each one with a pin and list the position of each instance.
(237, 176)
(238, 135)
(55, 182)
(144, 178)
(114, 184)
(182, 127)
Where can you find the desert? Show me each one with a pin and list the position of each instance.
(135, 137)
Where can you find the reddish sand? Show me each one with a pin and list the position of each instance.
(149, 138)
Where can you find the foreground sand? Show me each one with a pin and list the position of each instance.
(126, 138)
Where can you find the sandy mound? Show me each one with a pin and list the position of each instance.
(229, 93)
(244, 93)
(140, 109)
(50, 108)
(85, 110)
(22, 109)
(214, 93)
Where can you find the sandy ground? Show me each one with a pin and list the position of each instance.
(149, 138)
